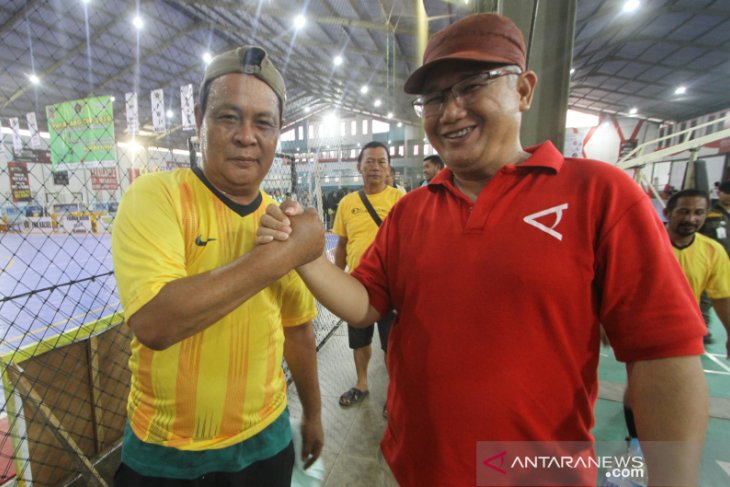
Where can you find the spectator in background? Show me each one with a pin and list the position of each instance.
(358, 217)
(390, 181)
(528, 250)
(431, 166)
(212, 315)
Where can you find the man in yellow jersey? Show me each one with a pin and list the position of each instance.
(358, 217)
(703, 260)
(211, 314)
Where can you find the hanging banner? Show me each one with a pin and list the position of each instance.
(35, 136)
(39, 156)
(19, 181)
(17, 141)
(82, 132)
(104, 178)
(132, 113)
(158, 110)
(187, 107)
(573, 146)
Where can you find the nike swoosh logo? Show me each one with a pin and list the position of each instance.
(202, 243)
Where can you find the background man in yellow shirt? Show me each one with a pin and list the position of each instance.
(703, 260)
(357, 228)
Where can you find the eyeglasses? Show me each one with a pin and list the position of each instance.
(430, 104)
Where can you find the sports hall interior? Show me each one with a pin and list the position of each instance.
(635, 83)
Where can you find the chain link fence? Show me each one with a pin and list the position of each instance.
(65, 163)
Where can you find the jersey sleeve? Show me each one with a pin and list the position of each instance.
(645, 302)
(147, 243)
(295, 300)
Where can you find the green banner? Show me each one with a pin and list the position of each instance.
(82, 132)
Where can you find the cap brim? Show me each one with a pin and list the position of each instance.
(414, 83)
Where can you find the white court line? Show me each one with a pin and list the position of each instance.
(712, 356)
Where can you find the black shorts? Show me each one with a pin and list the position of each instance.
(274, 472)
(362, 337)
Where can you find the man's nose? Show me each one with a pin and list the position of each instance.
(244, 134)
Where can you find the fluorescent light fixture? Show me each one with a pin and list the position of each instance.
(207, 57)
(633, 111)
(631, 5)
(299, 21)
(400, 124)
(34, 79)
(364, 89)
(681, 90)
(306, 109)
(572, 70)
(377, 102)
(390, 115)
(337, 60)
(170, 114)
(113, 98)
(138, 22)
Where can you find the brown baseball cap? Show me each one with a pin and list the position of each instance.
(251, 60)
(487, 38)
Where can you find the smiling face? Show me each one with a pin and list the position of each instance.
(478, 138)
(238, 134)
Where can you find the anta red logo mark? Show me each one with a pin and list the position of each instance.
(489, 462)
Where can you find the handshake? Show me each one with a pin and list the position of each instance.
(298, 229)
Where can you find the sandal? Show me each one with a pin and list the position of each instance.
(352, 397)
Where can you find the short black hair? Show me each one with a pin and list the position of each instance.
(724, 186)
(435, 159)
(373, 144)
(686, 193)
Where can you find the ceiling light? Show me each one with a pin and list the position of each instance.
(170, 114)
(364, 89)
(572, 70)
(138, 22)
(400, 124)
(633, 111)
(207, 57)
(681, 90)
(85, 1)
(337, 60)
(34, 79)
(390, 115)
(377, 102)
(113, 98)
(631, 5)
(299, 21)
(306, 109)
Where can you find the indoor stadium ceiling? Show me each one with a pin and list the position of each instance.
(79, 48)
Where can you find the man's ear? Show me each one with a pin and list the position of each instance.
(526, 84)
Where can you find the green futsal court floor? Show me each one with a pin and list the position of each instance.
(610, 425)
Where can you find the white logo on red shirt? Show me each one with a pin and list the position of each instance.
(558, 210)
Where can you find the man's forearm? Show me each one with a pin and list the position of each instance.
(339, 292)
(300, 352)
(188, 305)
(669, 401)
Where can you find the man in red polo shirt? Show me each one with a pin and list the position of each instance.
(530, 251)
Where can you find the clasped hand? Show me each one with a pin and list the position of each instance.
(300, 229)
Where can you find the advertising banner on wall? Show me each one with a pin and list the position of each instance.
(35, 136)
(104, 178)
(82, 132)
(17, 140)
(19, 181)
(187, 107)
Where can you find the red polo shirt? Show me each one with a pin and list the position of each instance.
(499, 303)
